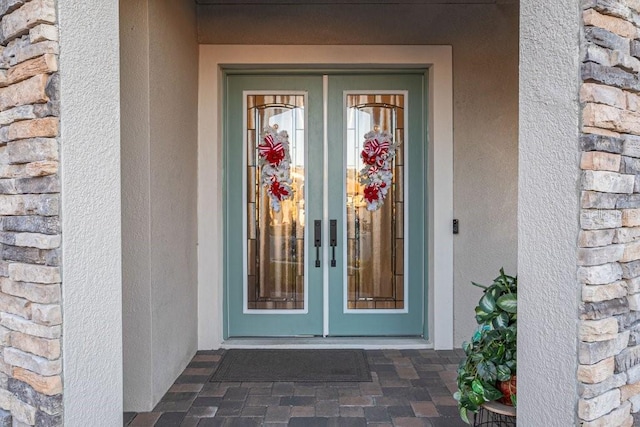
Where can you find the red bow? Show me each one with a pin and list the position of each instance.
(371, 193)
(373, 151)
(271, 151)
(278, 191)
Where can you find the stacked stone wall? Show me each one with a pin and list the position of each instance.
(30, 238)
(609, 241)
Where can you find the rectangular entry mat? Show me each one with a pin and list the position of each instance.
(293, 365)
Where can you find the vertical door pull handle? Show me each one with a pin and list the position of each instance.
(317, 239)
(333, 240)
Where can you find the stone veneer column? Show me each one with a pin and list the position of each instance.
(30, 281)
(609, 241)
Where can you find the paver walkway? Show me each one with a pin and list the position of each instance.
(409, 388)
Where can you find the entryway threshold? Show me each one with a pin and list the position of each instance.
(365, 343)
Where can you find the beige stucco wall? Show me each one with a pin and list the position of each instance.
(90, 213)
(549, 215)
(485, 57)
(159, 56)
(136, 289)
(173, 85)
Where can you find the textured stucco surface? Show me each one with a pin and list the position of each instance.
(548, 213)
(136, 275)
(485, 54)
(173, 82)
(159, 191)
(90, 174)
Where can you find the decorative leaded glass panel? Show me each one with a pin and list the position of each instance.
(275, 237)
(375, 226)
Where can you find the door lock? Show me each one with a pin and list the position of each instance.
(317, 239)
(333, 240)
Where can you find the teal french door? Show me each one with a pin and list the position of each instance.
(325, 204)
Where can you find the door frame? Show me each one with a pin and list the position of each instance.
(213, 61)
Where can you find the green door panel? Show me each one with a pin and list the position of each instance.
(241, 322)
(344, 322)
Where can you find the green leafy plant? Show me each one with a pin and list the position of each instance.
(491, 353)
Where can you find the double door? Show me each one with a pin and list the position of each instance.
(325, 201)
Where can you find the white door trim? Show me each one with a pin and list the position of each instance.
(213, 58)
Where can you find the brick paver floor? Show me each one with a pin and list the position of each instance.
(409, 388)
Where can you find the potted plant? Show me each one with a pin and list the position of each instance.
(490, 361)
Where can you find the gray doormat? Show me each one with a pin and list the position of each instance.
(293, 365)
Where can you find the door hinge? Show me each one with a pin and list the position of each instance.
(456, 226)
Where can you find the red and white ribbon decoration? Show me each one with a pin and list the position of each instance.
(377, 155)
(374, 151)
(275, 162)
(271, 151)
